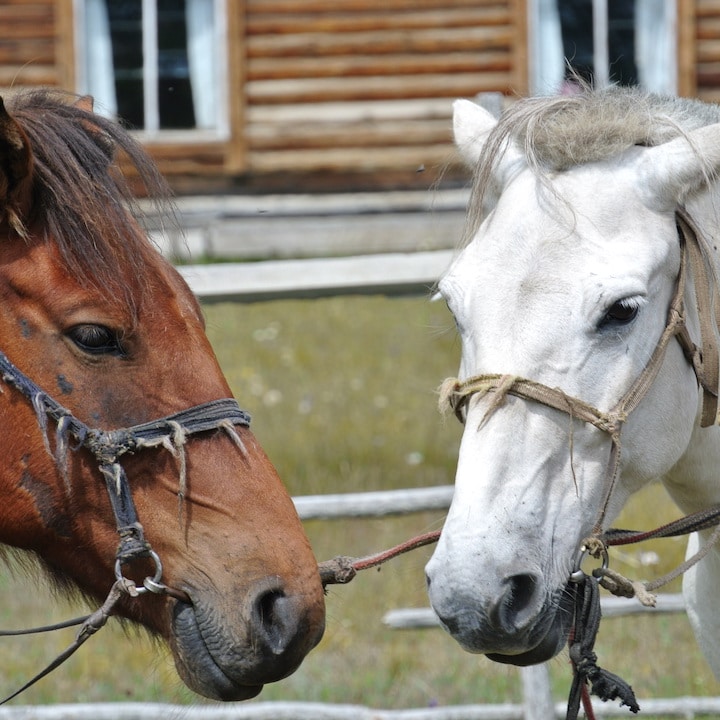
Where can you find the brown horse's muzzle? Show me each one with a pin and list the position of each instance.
(276, 630)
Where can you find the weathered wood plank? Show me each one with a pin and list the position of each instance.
(389, 273)
(359, 159)
(341, 21)
(368, 65)
(387, 42)
(17, 51)
(352, 111)
(304, 136)
(708, 51)
(14, 76)
(405, 86)
(325, 6)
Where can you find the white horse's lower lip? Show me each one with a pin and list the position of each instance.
(540, 639)
(551, 642)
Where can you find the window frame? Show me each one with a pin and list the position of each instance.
(545, 50)
(152, 133)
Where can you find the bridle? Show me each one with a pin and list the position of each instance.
(705, 360)
(108, 447)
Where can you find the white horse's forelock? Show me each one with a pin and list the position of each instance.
(558, 133)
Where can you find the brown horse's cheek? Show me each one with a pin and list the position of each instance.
(44, 501)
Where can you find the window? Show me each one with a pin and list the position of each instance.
(646, 28)
(156, 64)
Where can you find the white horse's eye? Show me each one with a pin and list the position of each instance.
(621, 312)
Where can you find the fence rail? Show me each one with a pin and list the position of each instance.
(685, 707)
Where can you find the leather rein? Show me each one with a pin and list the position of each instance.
(108, 447)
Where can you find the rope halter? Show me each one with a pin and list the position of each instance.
(456, 394)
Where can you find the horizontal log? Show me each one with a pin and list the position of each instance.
(15, 76)
(708, 74)
(341, 21)
(709, 28)
(708, 51)
(368, 65)
(380, 503)
(302, 136)
(28, 12)
(412, 159)
(709, 94)
(15, 51)
(387, 273)
(476, 39)
(707, 8)
(323, 6)
(425, 618)
(405, 86)
(353, 111)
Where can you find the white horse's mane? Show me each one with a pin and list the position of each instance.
(558, 133)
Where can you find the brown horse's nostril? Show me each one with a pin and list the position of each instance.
(277, 620)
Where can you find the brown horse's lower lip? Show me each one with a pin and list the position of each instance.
(195, 663)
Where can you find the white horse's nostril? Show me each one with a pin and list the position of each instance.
(517, 605)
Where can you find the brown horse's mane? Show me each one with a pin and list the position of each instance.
(82, 198)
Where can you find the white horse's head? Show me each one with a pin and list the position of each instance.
(566, 280)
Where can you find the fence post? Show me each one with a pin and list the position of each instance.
(538, 702)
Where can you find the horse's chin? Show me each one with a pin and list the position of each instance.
(548, 648)
(195, 662)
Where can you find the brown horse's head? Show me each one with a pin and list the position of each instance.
(95, 317)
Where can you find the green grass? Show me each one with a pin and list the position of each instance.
(342, 393)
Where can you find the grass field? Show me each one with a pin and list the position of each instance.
(342, 393)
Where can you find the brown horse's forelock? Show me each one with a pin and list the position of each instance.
(82, 199)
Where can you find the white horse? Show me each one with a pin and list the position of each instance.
(561, 295)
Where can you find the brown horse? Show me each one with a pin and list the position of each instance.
(92, 314)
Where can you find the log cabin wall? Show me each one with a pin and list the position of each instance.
(706, 46)
(29, 45)
(341, 94)
(364, 87)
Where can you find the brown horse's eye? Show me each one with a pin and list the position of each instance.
(96, 339)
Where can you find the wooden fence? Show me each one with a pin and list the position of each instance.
(537, 703)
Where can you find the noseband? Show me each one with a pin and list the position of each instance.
(108, 446)
(456, 394)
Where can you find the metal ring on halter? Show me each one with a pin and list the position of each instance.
(151, 584)
(578, 575)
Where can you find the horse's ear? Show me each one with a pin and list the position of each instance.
(15, 172)
(471, 126)
(86, 103)
(670, 173)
